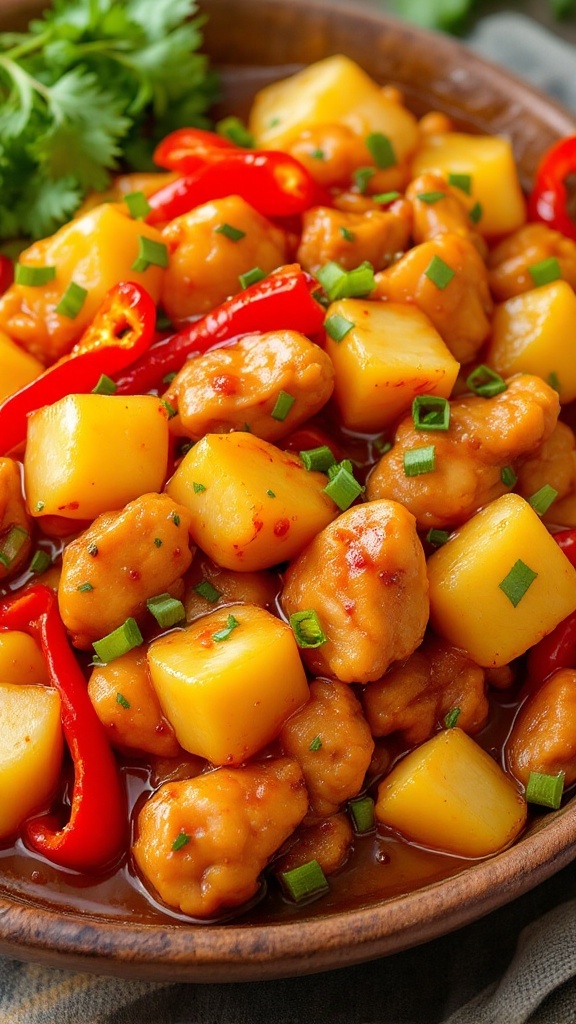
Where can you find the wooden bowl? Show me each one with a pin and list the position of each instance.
(255, 41)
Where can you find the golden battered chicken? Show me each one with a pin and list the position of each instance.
(328, 842)
(543, 738)
(509, 261)
(349, 239)
(15, 523)
(447, 214)
(553, 464)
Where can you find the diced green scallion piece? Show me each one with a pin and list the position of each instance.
(337, 326)
(362, 813)
(346, 284)
(430, 197)
(545, 271)
(40, 505)
(508, 476)
(476, 212)
(251, 277)
(182, 839)
(72, 301)
(167, 610)
(452, 717)
(234, 129)
(543, 498)
(437, 537)
(33, 277)
(382, 446)
(484, 381)
(92, 549)
(304, 882)
(553, 381)
(150, 253)
(545, 790)
(175, 518)
(307, 629)
(461, 181)
(517, 581)
(282, 406)
(318, 459)
(105, 386)
(207, 591)
(317, 154)
(383, 198)
(381, 150)
(40, 562)
(431, 412)
(223, 634)
(439, 273)
(121, 700)
(316, 744)
(362, 176)
(85, 588)
(347, 235)
(169, 377)
(119, 642)
(170, 410)
(420, 460)
(234, 234)
(270, 494)
(12, 545)
(342, 487)
(335, 469)
(138, 205)
(197, 487)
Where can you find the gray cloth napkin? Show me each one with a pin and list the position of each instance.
(517, 966)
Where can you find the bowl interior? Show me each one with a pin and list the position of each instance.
(255, 41)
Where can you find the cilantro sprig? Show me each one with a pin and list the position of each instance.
(78, 92)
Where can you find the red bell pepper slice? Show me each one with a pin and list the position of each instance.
(553, 198)
(95, 834)
(121, 331)
(557, 650)
(6, 273)
(187, 149)
(282, 301)
(566, 541)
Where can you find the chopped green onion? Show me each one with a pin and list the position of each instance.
(138, 205)
(316, 744)
(439, 273)
(508, 476)
(182, 839)
(543, 498)
(420, 460)
(430, 197)
(461, 181)
(12, 545)
(170, 410)
(273, 122)
(362, 813)
(517, 581)
(270, 494)
(105, 386)
(251, 277)
(381, 150)
(382, 446)
(304, 882)
(198, 488)
(121, 700)
(553, 381)
(347, 235)
(383, 198)
(335, 469)
(342, 487)
(40, 506)
(452, 717)
(92, 549)
(282, 406)
(234, 234)
(234, 129)
(337, 327)
(430, 412)
(318, 459)
(72, 301)
(545, 271)
(437, 537)
(545, 790)
(361, 178)
(317, 154)
(223, 634)
(33, 277)
(150, 253)
(119, 641)
(40, 562)
(307, 629)
(158, 542)
(207, 591)
(485, 382)
(167, 610)
(85, 587)
(175, 518)
(169, 377)
(346, 284)
(476, 212)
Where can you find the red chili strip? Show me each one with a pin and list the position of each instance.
(553, 198)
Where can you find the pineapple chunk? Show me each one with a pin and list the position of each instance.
(489, 161)
(252, 505)
(450, 795)
(467, 605)
(533, 333)
(334, 90)
(88, 454)
(21, 659)
(17, 367)
(228, 682)
(31, 748)
(391, 354)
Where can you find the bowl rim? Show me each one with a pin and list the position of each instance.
(239, 952)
